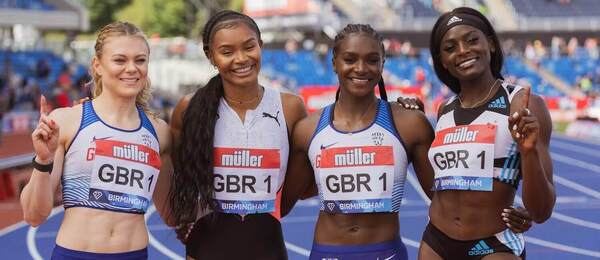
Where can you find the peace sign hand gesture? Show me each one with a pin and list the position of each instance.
(45, 135)
(524, 125)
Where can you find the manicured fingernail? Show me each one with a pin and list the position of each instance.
(508, 224)
(505, 219)
(514, 127)
(406, 106)
(53, 123)
(506, 210)
(505, 214)
(515, 115)
(518, 135)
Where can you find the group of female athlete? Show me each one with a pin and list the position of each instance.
(237, 155)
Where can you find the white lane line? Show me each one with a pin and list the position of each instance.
(565, 218)
(576, 221)
(544, 243)
(154, 242)
(579, 163)
(562, 247)
(411, 242)
(576, 186)
(415, 183)
(574, 139)
(575, 148)
(297, 249)
(31, 244)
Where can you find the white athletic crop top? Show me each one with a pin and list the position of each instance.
(362, 171)
(110, 168)
(473, 146)
(251, 157)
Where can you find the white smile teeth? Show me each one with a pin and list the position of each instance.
(242, 70)
(360, 80)
(467, 63)
(130, 80)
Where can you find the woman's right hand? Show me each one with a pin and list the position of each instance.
(45, 135)
(411, 103)
(183, 231)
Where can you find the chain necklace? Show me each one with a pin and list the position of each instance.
(362, 116)
(243, 102)
(481, 100)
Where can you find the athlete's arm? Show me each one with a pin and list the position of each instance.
(417, 134)
(532, 133)
(163, 184)
(299, 174)
(49, 141)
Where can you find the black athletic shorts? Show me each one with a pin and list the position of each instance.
(226, 236)
(448, 248)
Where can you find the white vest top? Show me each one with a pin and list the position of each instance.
(362, 171)
(251, 157)
(466, 139)
(110, 168)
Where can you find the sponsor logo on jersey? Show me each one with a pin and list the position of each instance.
(498, 103)
(481, 248)
(246, 158)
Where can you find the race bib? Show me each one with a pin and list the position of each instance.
(463, 157)
(357, 179)
(124, 174)
(246, 180)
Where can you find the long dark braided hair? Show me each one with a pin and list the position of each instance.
(368, 30)
(192, 183)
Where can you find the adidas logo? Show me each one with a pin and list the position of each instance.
(481, 248)
(454, 19)
(498, 103)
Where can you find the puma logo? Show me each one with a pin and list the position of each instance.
(276, 117)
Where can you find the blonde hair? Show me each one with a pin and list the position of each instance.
(116, 29)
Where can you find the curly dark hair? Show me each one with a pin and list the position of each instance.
(192, 183)
(435, 41)
(365, 29)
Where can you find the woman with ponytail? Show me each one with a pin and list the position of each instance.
(111, 155)
(359, 152)
(232, 147)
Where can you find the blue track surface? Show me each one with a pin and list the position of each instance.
(571, 233)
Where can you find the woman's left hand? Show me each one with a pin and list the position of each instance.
(524, 126)
(517, 219)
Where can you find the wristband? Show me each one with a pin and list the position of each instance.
(42, 167)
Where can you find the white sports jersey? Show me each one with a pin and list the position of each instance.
(362, 171)
(109, 168)
(473, 146)
(251, 157)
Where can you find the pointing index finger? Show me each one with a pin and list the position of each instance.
(526, 95)
(43, 105)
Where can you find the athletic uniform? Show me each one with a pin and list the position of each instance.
(359, 172)
(108, 168)
(249, 169)
(472, 148)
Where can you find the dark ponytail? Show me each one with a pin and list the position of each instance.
(192, 182)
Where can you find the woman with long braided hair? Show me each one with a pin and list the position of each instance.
(232, 147)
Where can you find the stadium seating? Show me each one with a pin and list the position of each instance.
(545, 8)
(26, 4)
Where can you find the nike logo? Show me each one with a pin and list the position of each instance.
(265, 114)
(94, 139)
(323, 147)
(388, 258)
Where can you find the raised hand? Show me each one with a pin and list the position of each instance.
(524, 125)
(411, 103)
(45, 135)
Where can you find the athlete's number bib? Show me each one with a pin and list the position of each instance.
(357, 179)
(463, 157)
(124, 175)
(246, 180)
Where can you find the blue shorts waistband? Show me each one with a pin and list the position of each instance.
(65, 253)
(391, 244)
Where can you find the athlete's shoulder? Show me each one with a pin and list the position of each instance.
(67, 115)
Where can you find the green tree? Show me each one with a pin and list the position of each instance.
(166, 18)
(102, 12)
